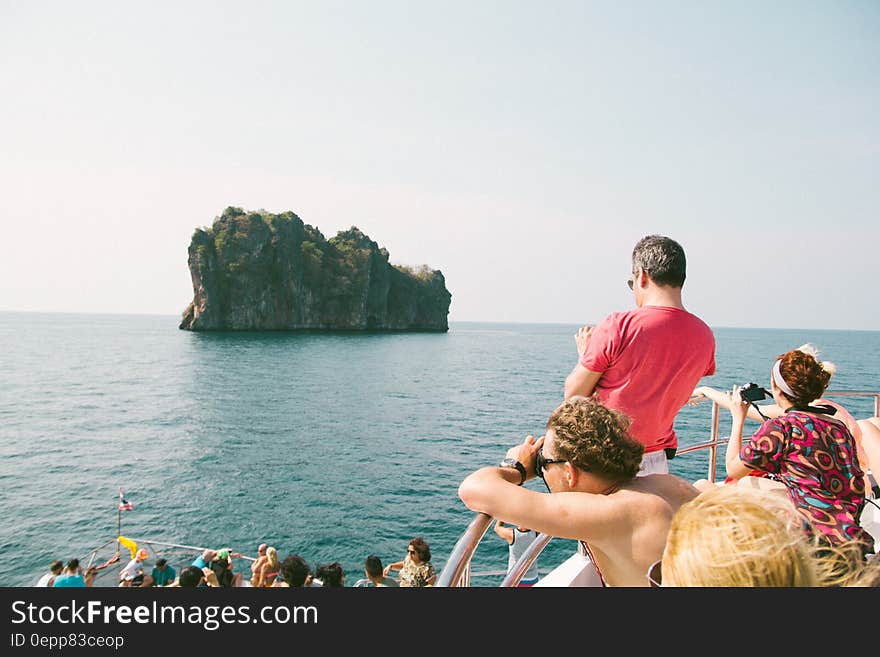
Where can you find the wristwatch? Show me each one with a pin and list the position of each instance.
(513, 463)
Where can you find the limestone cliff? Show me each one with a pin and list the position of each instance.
(262, 271)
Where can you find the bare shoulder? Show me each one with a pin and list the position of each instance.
(663, 489)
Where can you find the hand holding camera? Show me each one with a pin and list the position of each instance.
(752, 392)
(741, 398)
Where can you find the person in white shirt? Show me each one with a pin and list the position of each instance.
(518, 539)
(133, 573)
(49, 578)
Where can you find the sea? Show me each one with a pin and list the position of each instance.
(333, 446)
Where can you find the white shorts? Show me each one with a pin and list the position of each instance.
(653, 463)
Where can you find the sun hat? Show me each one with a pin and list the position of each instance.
(223, 554)
(142, 554)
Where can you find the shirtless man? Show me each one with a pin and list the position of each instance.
(589, 463)
(258, 563)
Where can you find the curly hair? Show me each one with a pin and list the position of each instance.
(805, 374)
(421, 547)
(595, 438)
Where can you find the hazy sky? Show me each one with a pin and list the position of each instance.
(521, 148)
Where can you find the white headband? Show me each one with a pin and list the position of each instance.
(779, 381)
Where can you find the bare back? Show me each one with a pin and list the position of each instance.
(646, 506)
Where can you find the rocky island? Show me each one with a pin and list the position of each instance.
(254, 271)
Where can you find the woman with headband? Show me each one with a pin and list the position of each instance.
(866, 433)
(807, 448)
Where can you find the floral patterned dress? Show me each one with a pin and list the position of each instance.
(415, 574)
(815, 457)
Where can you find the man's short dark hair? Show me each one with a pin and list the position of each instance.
(190, 577)
(373, 566)
(161, 562)
(224, 574)
(294, 570)
(331, 575)
(661, 258)
(72, 565)
(57, 566)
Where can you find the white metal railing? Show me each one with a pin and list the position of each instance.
(103, 576)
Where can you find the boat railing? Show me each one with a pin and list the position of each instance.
(112, 546)
(456, 571)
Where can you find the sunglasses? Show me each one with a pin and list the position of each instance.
(542, 462)
(655, 573)
(631, 282)
(411, 551)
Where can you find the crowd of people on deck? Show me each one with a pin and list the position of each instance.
(216, 568)
(788, 512)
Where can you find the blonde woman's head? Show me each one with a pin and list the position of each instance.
(730, 536)
(272, 556)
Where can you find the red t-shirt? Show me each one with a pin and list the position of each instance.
(651, 359)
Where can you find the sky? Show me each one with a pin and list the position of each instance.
(522, 148)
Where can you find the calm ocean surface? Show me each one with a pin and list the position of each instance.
(333, 446)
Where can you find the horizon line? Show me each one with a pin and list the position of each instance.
(451, 321)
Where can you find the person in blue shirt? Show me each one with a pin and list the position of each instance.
(72, 577)
(204, 560)
(163, 574)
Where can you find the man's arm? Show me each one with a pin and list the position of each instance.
(574, 515)
(581, 381)
(504, 531)
(581, 516)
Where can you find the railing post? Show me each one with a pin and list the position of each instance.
(713, 451)
(457, 568)
(526, 560)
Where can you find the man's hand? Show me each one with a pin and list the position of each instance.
(582, 339)
(526, 453)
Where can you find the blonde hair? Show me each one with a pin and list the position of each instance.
(272, 556)
(733, 536)
(730, 536)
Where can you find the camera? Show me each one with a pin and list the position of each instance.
(752, 392)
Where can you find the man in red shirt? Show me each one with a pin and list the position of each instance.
(646, 362)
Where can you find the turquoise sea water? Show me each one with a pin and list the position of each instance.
(333, 446)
